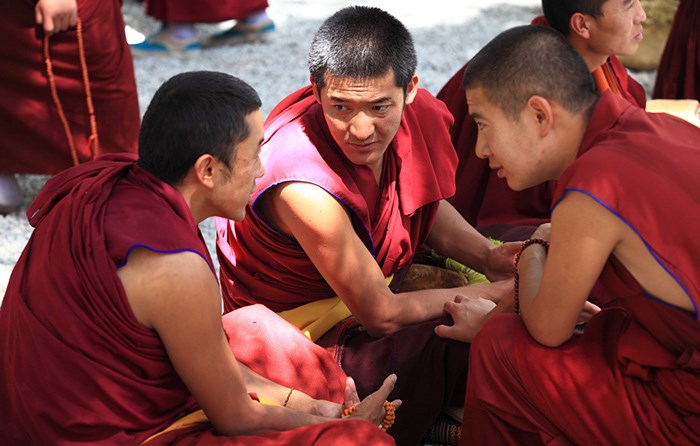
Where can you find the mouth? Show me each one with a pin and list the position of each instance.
(638, 37)
(363, 147)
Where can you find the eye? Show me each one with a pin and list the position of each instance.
(480, 125)
(380, 108)
(340, 108)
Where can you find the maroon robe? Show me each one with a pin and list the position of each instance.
(203, 11)
(481, 197)
(76, 365)
(633, 376)
(678, 75)
(33, 137)
(260, 265)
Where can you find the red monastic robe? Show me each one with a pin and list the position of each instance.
(678, 75)
(261, 265)
(33, 137)
(481, 197)
(75, 364)
(203, 11)
(633, 376)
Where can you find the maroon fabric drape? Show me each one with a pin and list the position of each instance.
(33, 138)
(481, 197)
(260, 265)
(633, 377)
(202, 11)
(678, 75)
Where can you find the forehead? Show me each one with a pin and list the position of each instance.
(348, 88)
(479, 104)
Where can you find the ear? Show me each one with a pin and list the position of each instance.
(316, 90)
(580, 25)
(204, 170)
(540, 109)
(412, 89)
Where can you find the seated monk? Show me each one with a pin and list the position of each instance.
(631, 374)
(111, 330)
(357, 169)
(599, 30)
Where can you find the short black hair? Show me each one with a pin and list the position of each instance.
(558, 12)
(362, 42)
(192, 114)
(531, 60)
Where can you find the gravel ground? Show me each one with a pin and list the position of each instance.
(446, 35)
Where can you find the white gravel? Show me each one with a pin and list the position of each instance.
(446, 33)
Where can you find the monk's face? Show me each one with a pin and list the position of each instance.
(618, 30)
(363, 116)
(511, 146)
(237, 183)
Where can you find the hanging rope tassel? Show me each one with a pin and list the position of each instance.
(93, 142)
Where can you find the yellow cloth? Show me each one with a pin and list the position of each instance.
(196, 417)
(316, 318)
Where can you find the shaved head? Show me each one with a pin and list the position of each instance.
(531, 60)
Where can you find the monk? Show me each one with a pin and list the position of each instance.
(178, 32)
(357, 169)
(43, 133)
(678, 75)
(631, 374)
(599, 30)
(111, 329)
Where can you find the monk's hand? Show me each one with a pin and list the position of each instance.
(56, 15)
(500, 262)
(542, 231)
(351, 396)
(468, 313)
(589, 309)
(372, 407)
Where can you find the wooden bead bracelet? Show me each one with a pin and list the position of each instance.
(389, 415)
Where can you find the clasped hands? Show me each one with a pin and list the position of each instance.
(371, 408)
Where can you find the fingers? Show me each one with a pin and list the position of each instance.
(351, 397)
(387, 386)
(444, 331)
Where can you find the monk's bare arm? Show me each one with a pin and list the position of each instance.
(453, 236)
(324, 230)
(553, 294)
(178, 296)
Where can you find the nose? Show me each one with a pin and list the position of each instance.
(361, 126)
(640, 15)
(481, 149)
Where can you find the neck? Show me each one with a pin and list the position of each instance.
(593, 60)
(189, 194)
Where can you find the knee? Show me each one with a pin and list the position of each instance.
(496, 340)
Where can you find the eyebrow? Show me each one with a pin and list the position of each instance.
(476, 116)
(376, 101)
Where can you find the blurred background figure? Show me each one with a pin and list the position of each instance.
(67, 88)
(178, 31)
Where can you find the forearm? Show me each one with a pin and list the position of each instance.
(419, 306)
(286, 396)
(452, 236)
(530, 270)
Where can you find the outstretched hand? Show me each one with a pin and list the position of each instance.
(56, 15)
(372, 407)
(469, 314)
(500, 263)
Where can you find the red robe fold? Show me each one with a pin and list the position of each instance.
(33, 138)
(76, 365)
(678, 75)
(633, 377)
(481, 197)
(203, 11)
(261, 265)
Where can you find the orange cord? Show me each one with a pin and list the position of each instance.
(93, 140)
